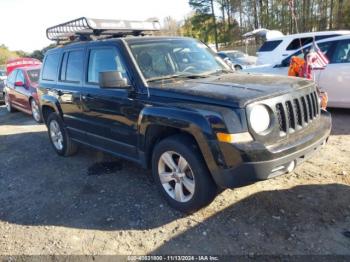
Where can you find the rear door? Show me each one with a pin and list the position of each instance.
(110, 115)
(10, 86)
(21, 93)
(68, 89)
(335, 78)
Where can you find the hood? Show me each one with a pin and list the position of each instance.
(235, 89)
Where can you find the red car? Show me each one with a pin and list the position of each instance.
(21, 91)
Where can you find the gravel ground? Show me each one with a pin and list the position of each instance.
(93, 203)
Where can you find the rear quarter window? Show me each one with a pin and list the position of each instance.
(50, 67)
(270, 45)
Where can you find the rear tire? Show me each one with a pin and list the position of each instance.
(188, 185)
(9, 107)
(59, 136)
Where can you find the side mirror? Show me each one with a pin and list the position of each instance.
(112, 79)
(19, 83)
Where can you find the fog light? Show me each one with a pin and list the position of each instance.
(290, 167)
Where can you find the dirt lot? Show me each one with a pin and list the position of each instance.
(95, 204)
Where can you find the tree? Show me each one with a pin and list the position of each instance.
(205, 9)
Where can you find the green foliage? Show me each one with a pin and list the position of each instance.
(6, 54)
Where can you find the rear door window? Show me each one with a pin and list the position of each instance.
(299, 42)
(72, 66)
(342, 52)
(325, 47)
(50, 67)
(270, 45)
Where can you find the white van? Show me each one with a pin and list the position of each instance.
(334, 79)
(275, 49)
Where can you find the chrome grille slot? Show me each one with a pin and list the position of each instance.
(305, 112)
(290, 115)
(281, 116)
(299, 114)
(309, 107)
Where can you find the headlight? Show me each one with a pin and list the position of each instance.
(259, 118)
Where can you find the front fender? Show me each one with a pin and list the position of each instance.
(190, 122)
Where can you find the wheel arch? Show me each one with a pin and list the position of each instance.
(156, 124)
(49, 104)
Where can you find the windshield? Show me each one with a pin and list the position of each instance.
(34, 75)
(163, 59)
(235, 55)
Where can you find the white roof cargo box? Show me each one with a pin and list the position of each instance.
(265, 33)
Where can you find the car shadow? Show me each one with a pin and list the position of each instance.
(90, 190)
(308, 219)
(16, 118)
(340, 121)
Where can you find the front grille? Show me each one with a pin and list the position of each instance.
(296, 113)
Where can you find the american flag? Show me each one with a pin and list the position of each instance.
(316, 59)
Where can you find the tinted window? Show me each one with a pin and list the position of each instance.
(74, 68)
(50, 67)
(170, 57)
(323, 46)
(269, 45)
(34, 75)
(342, 52)
(20, 76)
(11, 78)
(104, 60)
(64, 67)
(320, 37)
(299, 42)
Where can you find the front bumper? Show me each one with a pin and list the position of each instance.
(282, 162)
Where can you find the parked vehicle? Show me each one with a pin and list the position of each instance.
(275, 49)
(2, 96)
(3, 75)
(14, 63)
(334, 79)
(170, 104)
(239, 59)
(20, 91)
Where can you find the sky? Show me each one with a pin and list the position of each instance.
(23, 22)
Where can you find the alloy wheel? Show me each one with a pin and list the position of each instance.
(56, 135)
(35, 110)
(176, 176)
(7, 103)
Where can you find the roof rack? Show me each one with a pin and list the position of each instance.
(88, 28)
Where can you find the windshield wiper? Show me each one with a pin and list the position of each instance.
(189, 76)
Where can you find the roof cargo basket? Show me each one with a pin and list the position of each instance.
(87, 28)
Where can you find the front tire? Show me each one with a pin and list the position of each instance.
(35, 111)
(59, 136)
(181, 175)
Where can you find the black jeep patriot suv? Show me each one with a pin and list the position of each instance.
(170, 104)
